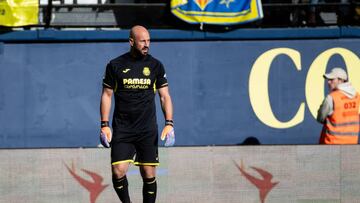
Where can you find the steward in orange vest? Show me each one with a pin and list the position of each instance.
(339, 111)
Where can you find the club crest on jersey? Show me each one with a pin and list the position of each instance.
(146, 71)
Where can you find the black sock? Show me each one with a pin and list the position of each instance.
(121, 188)
(149, 190)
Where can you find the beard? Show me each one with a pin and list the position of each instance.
(140, 52)
(144, 51)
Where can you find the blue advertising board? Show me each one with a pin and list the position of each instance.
(224, 92)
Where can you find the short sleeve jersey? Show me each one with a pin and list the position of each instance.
(134, 82)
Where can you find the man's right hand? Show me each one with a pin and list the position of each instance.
(105, 134)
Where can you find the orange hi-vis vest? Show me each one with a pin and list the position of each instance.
(342, 127)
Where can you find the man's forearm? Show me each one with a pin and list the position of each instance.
(105, 107)
(166, 103)
(167, 108)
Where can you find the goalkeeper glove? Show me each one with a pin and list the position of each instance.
(105, 134)
(168, 133)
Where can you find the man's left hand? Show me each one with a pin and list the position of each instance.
(168, 133)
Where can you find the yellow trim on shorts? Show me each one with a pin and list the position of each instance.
(124, 161)
(146, 164)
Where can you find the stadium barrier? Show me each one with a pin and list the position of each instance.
(223, 91)
(237, 174)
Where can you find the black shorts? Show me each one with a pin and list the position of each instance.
(144, 146)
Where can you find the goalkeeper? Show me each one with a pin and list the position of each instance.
(133, 78)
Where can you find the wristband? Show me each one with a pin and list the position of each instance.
(104, 124)
(169, 122)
